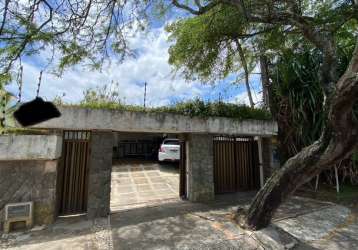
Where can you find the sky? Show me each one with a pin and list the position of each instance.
(164, 87)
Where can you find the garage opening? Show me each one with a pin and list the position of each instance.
(145, 170)
(236, 164)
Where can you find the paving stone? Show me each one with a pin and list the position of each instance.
(149, 183)
(157, 179)
(123, 189)
(150, 168)
(144, 188)
(123, 180)
(126, 174)
(138, 174)
(146, 194)
(136, 169)
(153, 174)
(122, 170)
(140, 180)
(160, 186)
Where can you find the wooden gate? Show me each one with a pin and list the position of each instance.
(182, 171)
(72, 179)
(236, 164)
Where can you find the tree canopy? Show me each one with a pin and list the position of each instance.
(72, 30)
(205, 46)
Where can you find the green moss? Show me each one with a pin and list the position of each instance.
(25, 131)
(195, 108)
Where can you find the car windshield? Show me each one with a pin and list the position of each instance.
(171, 142)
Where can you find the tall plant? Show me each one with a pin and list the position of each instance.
(297, 96)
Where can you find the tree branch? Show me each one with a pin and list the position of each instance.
(199, 11)
(4, 16)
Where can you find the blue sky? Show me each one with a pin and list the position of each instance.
(150, 65)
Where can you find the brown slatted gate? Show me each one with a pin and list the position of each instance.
(236, 166)
(182, 171)
(73, 173)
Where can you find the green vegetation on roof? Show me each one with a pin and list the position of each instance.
(195, 108)
(25, 131)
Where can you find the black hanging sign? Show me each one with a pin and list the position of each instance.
(36, 111)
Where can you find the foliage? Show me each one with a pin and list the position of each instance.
(74, 31)
(205, 46)
(297, 94)
(107, 97)
(107, 94)
(26, 131)
(297, 99)
(5, 103)
(195, 108)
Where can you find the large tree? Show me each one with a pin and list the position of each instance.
(94, 29)
(317, 22)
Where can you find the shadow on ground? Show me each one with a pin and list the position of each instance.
(300, 224)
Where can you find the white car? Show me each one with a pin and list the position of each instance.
(169, 150)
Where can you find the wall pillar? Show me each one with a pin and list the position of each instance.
(200, 168)
(267, 160)
(261, 167)
(100, 168)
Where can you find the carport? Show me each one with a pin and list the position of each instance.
(137, 183)
(199, 171)
(137, 178)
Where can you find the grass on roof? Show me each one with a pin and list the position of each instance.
(195, 108)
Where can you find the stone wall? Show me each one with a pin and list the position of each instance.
(99, 181)
(267, 157)
(31, 180)
(200, 168)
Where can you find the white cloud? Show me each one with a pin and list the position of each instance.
(150, 65)
(256, 91)
(243, 98)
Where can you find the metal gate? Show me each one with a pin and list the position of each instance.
(72, 179)
(182, 171)
(138, 149)
(236, 164)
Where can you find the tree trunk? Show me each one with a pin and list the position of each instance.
(337, 141)
(246, 71)
(265, 82)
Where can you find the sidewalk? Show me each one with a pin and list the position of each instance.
(300, 224)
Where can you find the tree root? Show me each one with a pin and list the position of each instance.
(240, 218)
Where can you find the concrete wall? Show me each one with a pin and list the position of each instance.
(100, 168)
(28, 172)
(30, 147)
(124, 121)
(22, 181)
(200, 168)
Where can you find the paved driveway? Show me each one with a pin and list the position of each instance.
(143, 183)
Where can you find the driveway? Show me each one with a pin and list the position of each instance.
(138, 183)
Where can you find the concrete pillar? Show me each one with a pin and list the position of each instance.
(261, 167)
(267, 157)
(100, 168)
(200, 168)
